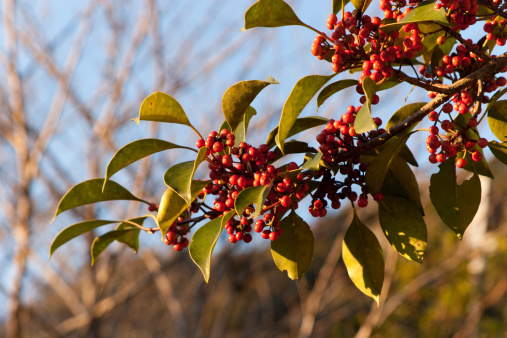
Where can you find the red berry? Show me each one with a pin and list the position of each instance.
(477, 156)
(286, 201)
(461, 163)
(218, 147)
(440, 40)
(482, 142)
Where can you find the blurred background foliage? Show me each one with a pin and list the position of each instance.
(74, 74)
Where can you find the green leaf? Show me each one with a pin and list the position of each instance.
(99, 244)
(256, 195)
(242, 128)
(204, 240)
(497, 119)
(131, 238)
(172, 205)
(270, 13)
(293, 251)
(378, 168)
(403, 113)
(407, 155)
(313, 163)
(390, 83)
(294, 147)
(404, 227)
(499, 150)
(400, 181)
(364, 121)
(428, 19)
(74, 230)
(361, 5)
(498, 95)
(364, 259)
(135, 151)
(301, 124)
(338, 5)
(455, 204)
(238, 97)
(160, 107)
(180, 176)
(332, 89)
(91, 192)
(299, 97)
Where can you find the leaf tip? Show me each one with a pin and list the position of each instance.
(135, 120)
(242, 29)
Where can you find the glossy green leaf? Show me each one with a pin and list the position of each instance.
(180, 176)
(404, 227)
(172, 205)
(361, 5)
(74, 230)
(99, 244)
(332, 89)
(270, 13)
(403, 113)
(388, 84)
(293, 251)
(364, 259)
(91, 192)
(364, 121)
(400, 181)
(339, 5)
(242, 128)
(131, 238)
(204, 240)
(294, 147)
(497, 96)
(497, 119)
(160, 107)
(429, 19)
(455, 204)
(378, 168)
(256, 195)
(313, 163)
(299, 97)
(407, 155)
(135, 151)
(238, 97)
(499, 150)
(301, 124)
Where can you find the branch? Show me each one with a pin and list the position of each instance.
(494, 9)
(489, 70)
(442, 89)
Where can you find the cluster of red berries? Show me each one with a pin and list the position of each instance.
(235, 168)
(496, 31)
(337, 137)
(461, 13)
(394, 10)
(176, 235)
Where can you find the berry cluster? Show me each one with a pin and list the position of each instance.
(461, 13)
(176, 235)
(496, 31)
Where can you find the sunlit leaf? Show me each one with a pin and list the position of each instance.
(497, 119)
(378, 168)
(299, 97)
(131, 238)
(294, 147)
(172, 205)
(499, 150)
(135, 151)
(403, 113)
(99, 244)
(238, 97)
(256, 195)
(160, 107)
(428, 18)
(364, 259)
(242, 128)
(338, 5)
(91, 192)
(455, 204)
(270, 13)
(180, 176)
(293, 251)
(204, 240)
(74, 230)
(404, 227)
(361, 5)
(364, 121)
(332, 89)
